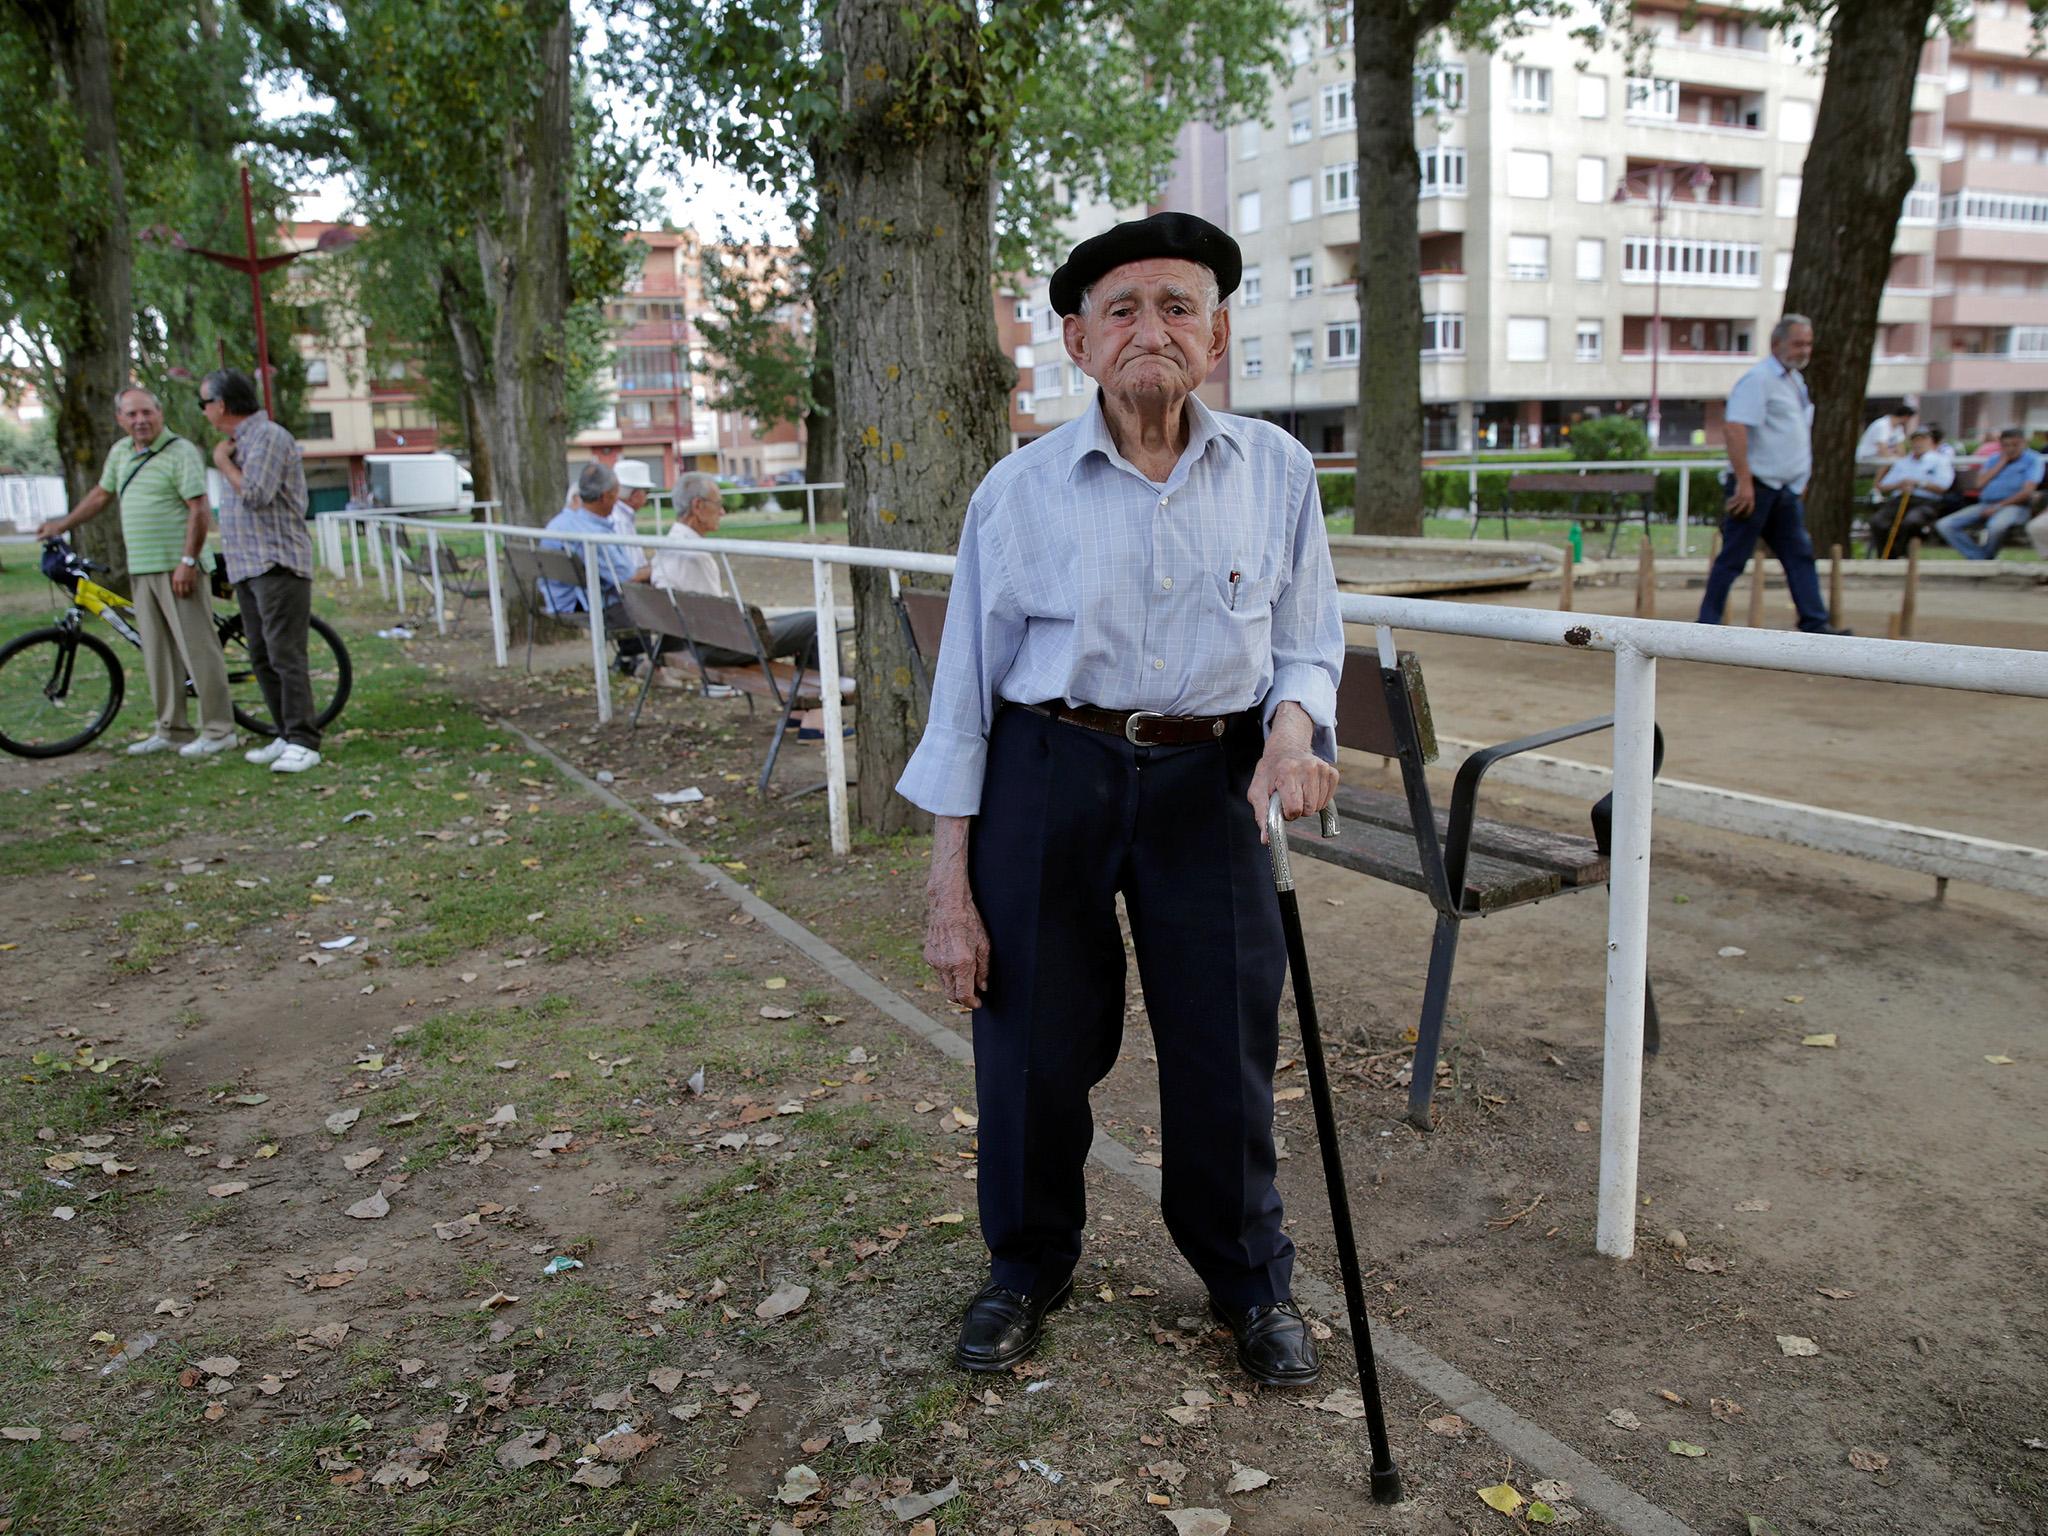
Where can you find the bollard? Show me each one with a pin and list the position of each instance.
(1911, 601)
(1835, 585)
(1646, 581)
(1756, 587)
(1564, 591)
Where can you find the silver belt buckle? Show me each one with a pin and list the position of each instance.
(1132, 720)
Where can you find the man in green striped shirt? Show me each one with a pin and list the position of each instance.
(159, 480)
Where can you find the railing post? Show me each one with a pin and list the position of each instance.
(1472, 492)
(593, 594)
(1628, 936)
(434, 572)
(1684, 509)
(373, 536)
(497, 591)
(398, 571)
(355, 548)
(811, 511)
(828, 695)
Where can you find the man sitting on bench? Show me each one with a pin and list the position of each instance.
(597, 489)
(682, 563)
(1922, 477)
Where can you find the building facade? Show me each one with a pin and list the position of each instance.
(1595, 240)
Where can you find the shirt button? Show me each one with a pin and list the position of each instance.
(1162, 503)
(1168, 583)
(1158, 664)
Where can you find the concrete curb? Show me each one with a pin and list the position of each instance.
(1529, 1442)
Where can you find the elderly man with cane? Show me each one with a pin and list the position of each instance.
(1142, 648)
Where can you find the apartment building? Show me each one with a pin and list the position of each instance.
(1593, 240)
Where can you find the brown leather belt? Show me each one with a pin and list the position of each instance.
(1140, 727)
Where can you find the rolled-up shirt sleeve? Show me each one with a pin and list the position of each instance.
(984, 627)
(1308, 629)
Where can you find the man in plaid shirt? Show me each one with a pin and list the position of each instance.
(269, 558)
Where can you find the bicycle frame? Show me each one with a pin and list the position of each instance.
(94, 598)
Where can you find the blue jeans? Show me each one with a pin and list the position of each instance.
(1780, 521)
(1955, 526)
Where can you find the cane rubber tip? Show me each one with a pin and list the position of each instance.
(1386, 1485)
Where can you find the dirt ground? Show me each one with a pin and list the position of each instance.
(1880, 1197)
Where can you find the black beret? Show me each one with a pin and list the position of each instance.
(1179, 236)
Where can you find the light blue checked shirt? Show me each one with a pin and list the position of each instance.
(1079, 579)
(615, 562)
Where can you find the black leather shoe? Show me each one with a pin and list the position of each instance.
(1829, 629)
(1001, 1327)
(1273, 1343)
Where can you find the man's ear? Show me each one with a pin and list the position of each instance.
(1219, 337)
(1074, 335)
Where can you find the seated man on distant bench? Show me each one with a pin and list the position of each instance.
(597, 488)
(682, 563)
(1922, 477)
(2005, 494)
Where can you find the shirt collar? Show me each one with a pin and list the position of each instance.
(1204, 427)
(250, 422)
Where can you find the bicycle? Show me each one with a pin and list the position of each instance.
(60, 686)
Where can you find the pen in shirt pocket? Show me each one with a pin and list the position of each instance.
(1235, 576)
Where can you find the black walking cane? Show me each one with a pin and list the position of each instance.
(1386, 1477)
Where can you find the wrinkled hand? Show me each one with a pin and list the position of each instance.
(184, 580)
(1742, 500)
(956, 946)
(1304, 782)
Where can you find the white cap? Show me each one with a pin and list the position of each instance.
(633, 475)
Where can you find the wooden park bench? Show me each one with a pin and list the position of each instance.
(530, 565)
(1468, 866)
(1615, 489)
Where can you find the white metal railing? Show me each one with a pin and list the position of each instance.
(1635, 644)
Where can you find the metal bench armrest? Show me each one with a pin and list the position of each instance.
(1465, 791)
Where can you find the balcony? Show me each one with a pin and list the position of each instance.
(1996, 176)
(416, 439)
(1986, 371)
(1693, 108)
(1982, 107)
(1692, 263)
(1991, 310)
(1691, 339)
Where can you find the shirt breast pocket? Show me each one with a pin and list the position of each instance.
(1244, 595)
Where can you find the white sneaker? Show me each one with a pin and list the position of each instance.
(295, 759)
(208, 746)
(151, 743)
(268, 753)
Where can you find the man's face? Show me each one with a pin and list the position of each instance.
(1922, 443)
(706, 511)
(1148, 336)
(2010, 444)
(1796, 350)
(603, 505)
(140, 417)
(635, 499)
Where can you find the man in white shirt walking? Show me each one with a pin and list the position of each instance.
(1770, 448)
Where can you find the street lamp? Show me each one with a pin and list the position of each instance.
(1658, 183)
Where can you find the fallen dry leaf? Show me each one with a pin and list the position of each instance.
(786, 1298)
(356, 1162)
(495, 1300)
(217, 1365)
(20, 1432)
(342, 1119)
(1726, 1409)
(1621, 1418)
(1685, 1448)
(867, 1432)
(1198, 1522)
(665, 1378)
(1244, 1479)
(1824, 1041)
(1793, 1344)
(798, 1484)
(1833, 1292)
(225, 1191)
(528, 1447)
(1502, 1496)
(1345, 1403)
(591, 1475)
(372, 1207)
(1865, 1460)
(1448, 1425)
(911, 1506)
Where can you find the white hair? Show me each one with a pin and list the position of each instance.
(136, 389)
(1211, 293)
(594, 481)
(1785, 326)
(695, 486)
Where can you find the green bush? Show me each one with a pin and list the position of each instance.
(1610, 437)
(1338, 493)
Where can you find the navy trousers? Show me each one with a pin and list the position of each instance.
(1069, 819)
(1780, 521)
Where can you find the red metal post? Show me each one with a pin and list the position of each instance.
(256, 295)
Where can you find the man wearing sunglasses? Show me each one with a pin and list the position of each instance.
(269, 559)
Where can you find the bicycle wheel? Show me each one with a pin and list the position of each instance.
(327, 661)
(58, 690)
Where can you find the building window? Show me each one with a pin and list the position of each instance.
(1443, 335)
(1340, 342)
(1302, 271)
(1788, 197)
(1529, 257)
(1020, 310)
(1301, 199)
(1443, 171)
(1340, 110)
(400, 418)
(1586, 344)
(1045, 379)
(1530, 91)
(1247, 213)
(1695, 263)
(316, 370)
(1251, 288)
(1299, 46)
(1251, 357)
(1657, 99)
(1441, 89)
(1304, 347)
(1592, 261)
(1300, 122)
(317, 426)
(1592, 95)
(1340, 186)
(1248, 140)
(1528, 173)
(1024, 402)
(1337, 26)
(1528, 339)
(1592, 179)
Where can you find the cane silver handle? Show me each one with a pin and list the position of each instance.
(1276, 840)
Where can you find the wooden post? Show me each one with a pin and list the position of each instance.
(1835, 585)
(1756, 587)
(1911, 600)
(1564, 591)
(1646, 582)
(1714, 547)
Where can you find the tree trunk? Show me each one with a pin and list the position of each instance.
(523, 244)
(905, 203)
(99, 276)
(1390, 272)
(479, 441)
(1842, 252)
(823, 461)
